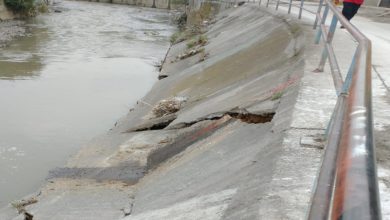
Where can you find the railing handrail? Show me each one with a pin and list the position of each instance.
(347, 186)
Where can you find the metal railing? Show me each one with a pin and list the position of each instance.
(347, 186)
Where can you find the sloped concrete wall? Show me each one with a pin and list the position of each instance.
(215, 158)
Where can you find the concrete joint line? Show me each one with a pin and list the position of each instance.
(381, 78)
(301, 128)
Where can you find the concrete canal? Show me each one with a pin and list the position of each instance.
(69, 80)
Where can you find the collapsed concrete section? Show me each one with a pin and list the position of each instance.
(219, 155)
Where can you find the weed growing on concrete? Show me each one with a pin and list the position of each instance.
(277, 95)
(201, 40)
(174, 38)
(180, 36)
(192, 43)
(181, 21)
(203, 56)
(199, 17)
(190, 53)
(42, 8)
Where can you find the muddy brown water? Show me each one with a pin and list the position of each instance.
(69, 80)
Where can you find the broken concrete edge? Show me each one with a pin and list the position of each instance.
(197, 133)
(162, 154)
(239, 113)
(288, 97)
(18, 207)
(214, 122)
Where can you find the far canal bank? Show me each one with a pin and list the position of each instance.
(70, 79)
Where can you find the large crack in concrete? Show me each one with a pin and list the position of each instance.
(243, 115)
(240, 114)
(95, 179)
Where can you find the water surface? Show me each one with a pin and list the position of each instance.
(70, 80)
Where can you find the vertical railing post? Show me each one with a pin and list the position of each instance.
(348, 78)
(277, 5)
(318, 12)
(319, 32)
(329, 39)
(300, 9)
(267, 4)
(289, 7)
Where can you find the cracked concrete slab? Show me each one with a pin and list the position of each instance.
(217, 153)
(235, 60)
(215, 166)
(100, 203)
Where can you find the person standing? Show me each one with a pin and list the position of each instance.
(350, 8)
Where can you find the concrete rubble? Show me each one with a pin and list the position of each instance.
(232, 150)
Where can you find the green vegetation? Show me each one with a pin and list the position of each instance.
(27, 7)
(179, 2)
(200, 41)
(20, 6)
(181, 21)
(190, 53)
(192, 28)
(204, 14)
(175, 38)
(192, 43)
(205, 11)
(42, 7)
(180, 36)
(277, 95)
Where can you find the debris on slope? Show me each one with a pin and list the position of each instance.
(168, 106)
(20, 206)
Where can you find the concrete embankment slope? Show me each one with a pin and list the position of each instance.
(218, 157)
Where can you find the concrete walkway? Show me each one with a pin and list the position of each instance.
(317, 96)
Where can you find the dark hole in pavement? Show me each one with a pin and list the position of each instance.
(28, 216)
(246, 117)
(253, 118)
(159, 126)
(160, 77)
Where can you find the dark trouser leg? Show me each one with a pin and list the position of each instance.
(350, 9)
